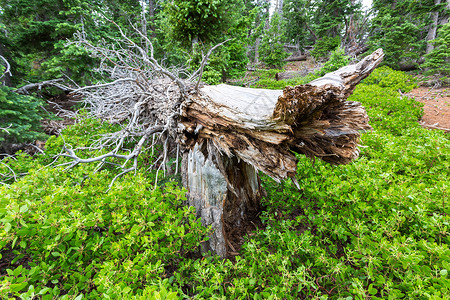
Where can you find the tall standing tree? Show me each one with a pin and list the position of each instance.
(330, 16)
(260, 21)
(190, 28)
(272, 44)
(298, 16)
(193, 21)
(37, 31)
(404, 29)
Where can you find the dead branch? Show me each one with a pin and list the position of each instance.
(199, 71)
(11, 174)
(8, 67)
(25, 90)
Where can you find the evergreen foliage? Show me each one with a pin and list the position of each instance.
(324, 46)
(400, 28)
(19, 118)
(297, 14)
(272, 43)
(330, 16)
(201, 21)
(438, 61)
(337, 60)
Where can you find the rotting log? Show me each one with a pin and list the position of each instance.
(290, 74)
(230, 133)
(297, 58)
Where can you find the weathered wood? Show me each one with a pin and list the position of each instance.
(296, 58)
(290, 74)
(231, 132)
(224, 192)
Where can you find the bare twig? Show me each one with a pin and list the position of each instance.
(199, 71)
(49, 83)
(8, 67)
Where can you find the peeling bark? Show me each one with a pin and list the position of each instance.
(224, 191)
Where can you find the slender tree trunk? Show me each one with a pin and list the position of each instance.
(151, 9)
(433, 27)
(311, 31)
(445, 17)
(258, 40)
(279, 7)
(151, 14)
(394, 4)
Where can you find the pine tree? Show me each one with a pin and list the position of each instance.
(401, 28)
(272, 44)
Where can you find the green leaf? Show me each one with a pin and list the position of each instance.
(79, 297)
(17, 287)
(7, 227)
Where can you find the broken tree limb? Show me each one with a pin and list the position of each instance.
(262, 126)
(7, 71)
(233, 132)
(26, 89)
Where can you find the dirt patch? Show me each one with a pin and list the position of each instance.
(308, 65)
(436, 107)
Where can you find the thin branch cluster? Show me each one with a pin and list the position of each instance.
(143, 96)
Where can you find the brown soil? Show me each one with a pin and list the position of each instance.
(436, 107)
(308, 65)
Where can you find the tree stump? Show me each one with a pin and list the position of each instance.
(231, 133)
(224, 192)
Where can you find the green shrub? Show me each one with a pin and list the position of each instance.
(386, 77)
(324, 46)
(76, 239)
(212, 77)
(19, 116)
(337, 60)
(267, 80)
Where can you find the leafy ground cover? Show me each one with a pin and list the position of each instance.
(376, 228)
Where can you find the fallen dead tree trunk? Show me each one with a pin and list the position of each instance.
(224, 134)
(230, 133)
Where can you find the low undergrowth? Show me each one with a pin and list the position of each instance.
(377, 228)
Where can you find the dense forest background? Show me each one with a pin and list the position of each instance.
(35, 34)
(377, 228)
(38, 38)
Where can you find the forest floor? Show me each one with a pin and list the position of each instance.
(436, 106)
